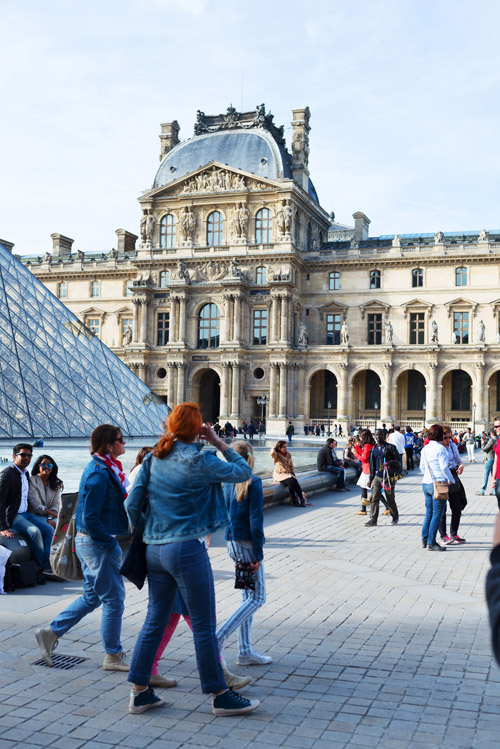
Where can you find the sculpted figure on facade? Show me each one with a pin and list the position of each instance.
(396, 241)
(147, 226)
(454, 337)
(303, 336)
(344, 333)
(234, 271)
(300, 148)
(182, 271)
(481, 332)
(280, 218)
(127, 337)
(388, 331)
(47, 258)
(243, 216)
(434, 335)
(188, 224)
(439, 237)
(483, 236)
(288, 217)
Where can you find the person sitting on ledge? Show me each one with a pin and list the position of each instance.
(327, 461)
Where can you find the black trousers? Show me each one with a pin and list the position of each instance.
(409, 459)
(296, 496)
(455, 502)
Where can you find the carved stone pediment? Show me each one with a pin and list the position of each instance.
(210, 179)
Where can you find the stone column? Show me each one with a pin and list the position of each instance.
(301, 385)
(273, 380)
(432, 412)
(283, 387)
(141, 372)
(144, 321)
(227, 318)
(478, 392)
(136, 303)
(274, 319)
(170, 383)
(235, 391)
(224, 393)
(342, 407)
(236, 318)
(173, 319)
(181, 380)
(182, 319)
(386, 392)
(284, 319)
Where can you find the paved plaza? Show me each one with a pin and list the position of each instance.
(376, 643)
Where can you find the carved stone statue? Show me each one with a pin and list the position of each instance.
(127, 337)
(243, 216)
(280, 218)
(434, 336)
(454, 337)
(483, 236)
(388, 331)
(113, 253)
(182, 271)
(481, 332)
(288, 217)
(47, 258)
(396, 242)
(80, 255)
(147, 226)
(439, 237)
(498, 337)
(354, 243)
(303, 339)
(234, 271)
(188, 224)
(344, 333)
(235, 224)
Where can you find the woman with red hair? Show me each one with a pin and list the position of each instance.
(185, 504)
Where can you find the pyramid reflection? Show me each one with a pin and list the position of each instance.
(56, 378)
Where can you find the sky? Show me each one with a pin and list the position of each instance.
(404, 100)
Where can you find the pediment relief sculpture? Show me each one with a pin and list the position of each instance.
(216, 179)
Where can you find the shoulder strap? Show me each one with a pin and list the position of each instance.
(428, 466)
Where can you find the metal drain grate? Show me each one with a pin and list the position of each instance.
(64, 662)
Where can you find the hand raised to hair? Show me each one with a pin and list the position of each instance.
(208, 434)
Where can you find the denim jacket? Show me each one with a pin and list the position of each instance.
(185, 493)
(100, 512)
(247, 516)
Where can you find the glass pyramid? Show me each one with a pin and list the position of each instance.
(56, 378)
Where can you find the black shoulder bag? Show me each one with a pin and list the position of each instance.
(134, 566)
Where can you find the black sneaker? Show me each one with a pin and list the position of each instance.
(435, 547)
(395, 521)
(424, 543)
(371, 523)
(230, 703)
(142, 701)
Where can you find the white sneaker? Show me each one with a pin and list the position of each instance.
(253, 659)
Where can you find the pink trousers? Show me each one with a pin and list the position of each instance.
(167, 636)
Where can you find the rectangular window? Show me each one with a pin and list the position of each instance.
(128, 288)
(95, 289)
(461, 327)
(417, 328)
(94, 326)
(259, 327)
(375, 329)
(333, 325)
(162, 328)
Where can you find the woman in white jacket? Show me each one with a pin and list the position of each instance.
(434, 466)
(44, 496)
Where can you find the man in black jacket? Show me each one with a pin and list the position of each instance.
(493, 591)
(385, 463)
(14, 515)
(328, 461)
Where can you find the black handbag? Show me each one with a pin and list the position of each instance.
(134, 566)
(245, 577)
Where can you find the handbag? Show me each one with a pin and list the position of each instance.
(134, 566)
(63, 557)
(440, 487)
(245, 577)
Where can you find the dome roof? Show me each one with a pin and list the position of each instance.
(252, 151)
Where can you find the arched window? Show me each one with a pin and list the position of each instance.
(461, 276)
(261, 275)
(62, 290)
(95, 289)
(164, 279)
(334, 280)
(167, 232)
(215, 225)
(374, 279)
(208, 326)
(263, 226)
(417, 277)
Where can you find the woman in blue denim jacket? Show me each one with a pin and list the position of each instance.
(185, 503)
(100, 517)
(245, 539)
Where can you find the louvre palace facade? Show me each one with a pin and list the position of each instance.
(238, 285)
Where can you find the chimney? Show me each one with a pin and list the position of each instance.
(169, 137)
(300, 146)
(361, 226)
(126, 240)
(8, 245)
(61, 245)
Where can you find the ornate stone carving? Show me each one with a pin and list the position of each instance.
(127, 338)
(188, 224)
(239, 221)
(484, 236)
(182, 273)
(439, 237)
(233, 120)
(147, 226)
(481, 332)
(344, 334)
(303, 338)
(388, 331)
(396, 241)
(434, 334)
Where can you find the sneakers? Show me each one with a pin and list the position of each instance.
(480, 494)
(424, 543)
(459, 540)
(229, 703)
(395, 521)
(435, 547)
(371, 523)
(253, 659)
(142, 701)
(116, 662)
(233, 680)
(447, 540)
(157, 680)
(47, 642)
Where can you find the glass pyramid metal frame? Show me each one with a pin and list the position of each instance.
(56, 378)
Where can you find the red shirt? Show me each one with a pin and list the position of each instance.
(497, 453)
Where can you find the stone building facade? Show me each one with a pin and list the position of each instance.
(239, 286)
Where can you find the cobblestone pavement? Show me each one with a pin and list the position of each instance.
(376, 642)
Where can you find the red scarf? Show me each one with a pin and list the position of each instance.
(117, 468)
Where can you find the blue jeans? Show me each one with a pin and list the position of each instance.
(38, 534)
(251, 601)
(102, 584)
(340, 473)
(182, 565)
(488, 467)
(434, 509)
